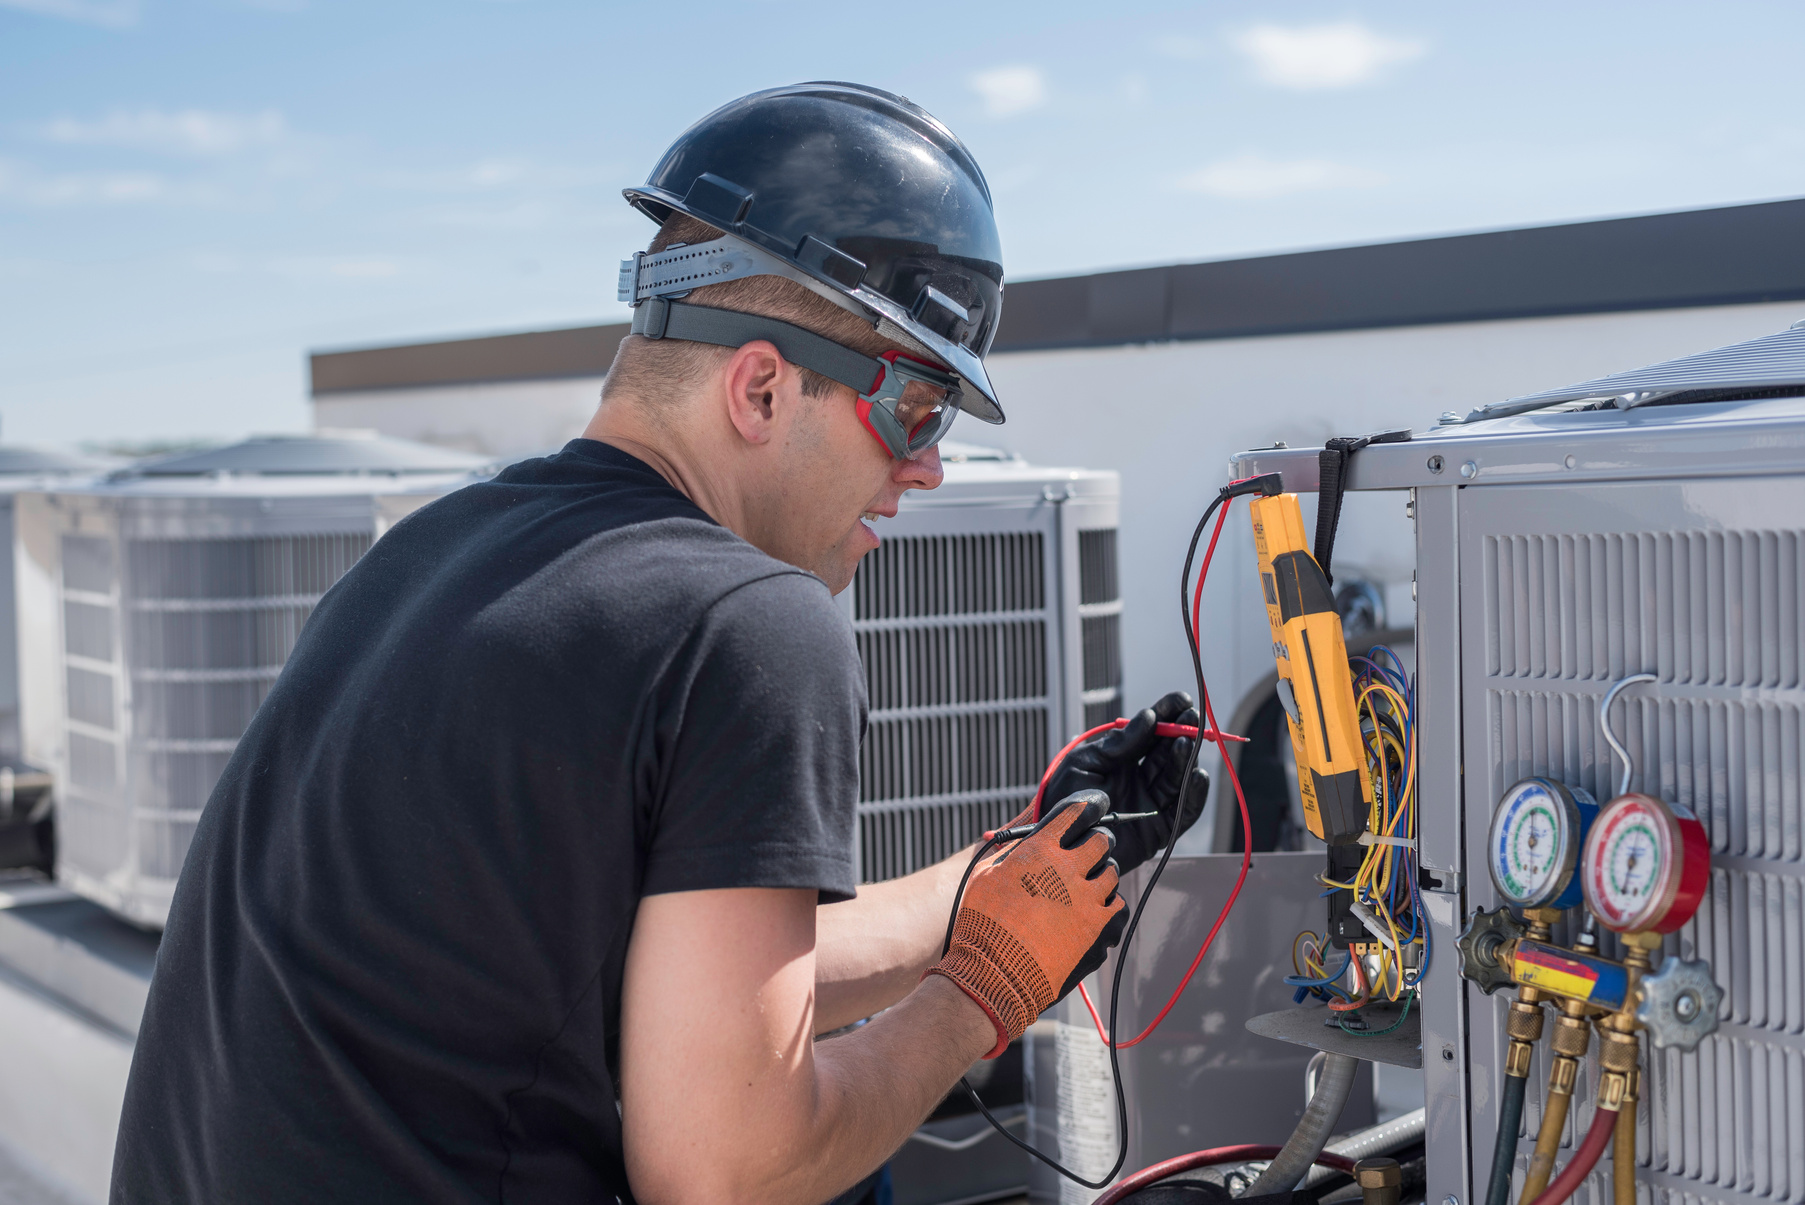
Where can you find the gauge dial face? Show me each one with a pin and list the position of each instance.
(1534, 832)
(1631, 864)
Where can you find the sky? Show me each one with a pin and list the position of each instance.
(195, 193)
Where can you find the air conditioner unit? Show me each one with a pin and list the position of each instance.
(25, 797)
(1651, 522)
(157, 606)
(989, 623)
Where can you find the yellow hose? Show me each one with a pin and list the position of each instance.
(1623, 1153)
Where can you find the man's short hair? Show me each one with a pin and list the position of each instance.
(661, 372)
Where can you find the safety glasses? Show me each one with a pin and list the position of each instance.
(910, 406)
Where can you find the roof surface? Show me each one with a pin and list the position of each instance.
(1737, 255)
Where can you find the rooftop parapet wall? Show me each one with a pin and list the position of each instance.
(1729, 256)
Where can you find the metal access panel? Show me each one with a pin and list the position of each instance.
(988, 622)
(1701, 582)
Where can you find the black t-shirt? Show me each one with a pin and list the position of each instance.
(392, 970)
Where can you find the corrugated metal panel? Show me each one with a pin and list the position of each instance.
(1702, 587)
(1719, 608)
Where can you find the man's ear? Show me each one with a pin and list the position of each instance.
(758, 380)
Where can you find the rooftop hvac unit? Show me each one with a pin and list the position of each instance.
(25, 797)
(157, 606)
(1652, 522)
(989, 623)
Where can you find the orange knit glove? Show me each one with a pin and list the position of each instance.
(1037, 917)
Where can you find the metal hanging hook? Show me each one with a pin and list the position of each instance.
(1604, 722)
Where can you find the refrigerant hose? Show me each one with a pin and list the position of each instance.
(1386, 1138)
(1604, 1125)
(1504, 1154)
(1129, 1185)
(1312, 1133)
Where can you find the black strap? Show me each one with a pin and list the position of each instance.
(658, 318)
(1331, 466)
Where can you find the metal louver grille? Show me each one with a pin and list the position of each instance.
(208, 627)
(953, 632)
(1717, 615)
(1100, 626)
(90, 806)
(1703, 607)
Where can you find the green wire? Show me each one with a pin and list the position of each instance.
(1379, 1033)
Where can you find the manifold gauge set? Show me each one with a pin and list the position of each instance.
(1639, 867)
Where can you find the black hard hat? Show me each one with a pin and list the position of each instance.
(863, 192)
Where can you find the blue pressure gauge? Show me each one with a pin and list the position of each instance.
(1537, 834)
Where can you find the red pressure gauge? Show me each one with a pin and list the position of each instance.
(1646, 865)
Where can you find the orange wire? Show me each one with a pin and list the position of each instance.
(1363, 998)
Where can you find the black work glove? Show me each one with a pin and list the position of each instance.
(1141, 773)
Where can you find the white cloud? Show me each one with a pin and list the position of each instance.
(23, 184)
(1308, 57)
(1008, 91)
(189, 132)
(1253, 177)
(116, 14)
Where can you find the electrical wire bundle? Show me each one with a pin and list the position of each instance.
(1309, 977)
(1387, 894)
(1387, 887)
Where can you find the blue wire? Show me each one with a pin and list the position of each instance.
(1306, 981)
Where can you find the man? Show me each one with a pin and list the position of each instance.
(533, 879)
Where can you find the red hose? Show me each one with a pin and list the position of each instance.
(1209, 1158)
(1604, 1123)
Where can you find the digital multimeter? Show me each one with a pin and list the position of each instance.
(1315, 685)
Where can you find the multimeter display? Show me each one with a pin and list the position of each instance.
(1537, 832)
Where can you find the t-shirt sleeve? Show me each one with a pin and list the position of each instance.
(758, 740)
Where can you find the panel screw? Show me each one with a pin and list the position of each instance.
(1450, 1199)
(1447, 1054)
(1435, 464)
(1572, 461)
(1469, 468)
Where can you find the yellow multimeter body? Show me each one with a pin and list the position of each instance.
(1315, 685)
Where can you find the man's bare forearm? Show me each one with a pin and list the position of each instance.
(871, 952)
(879, 1082)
